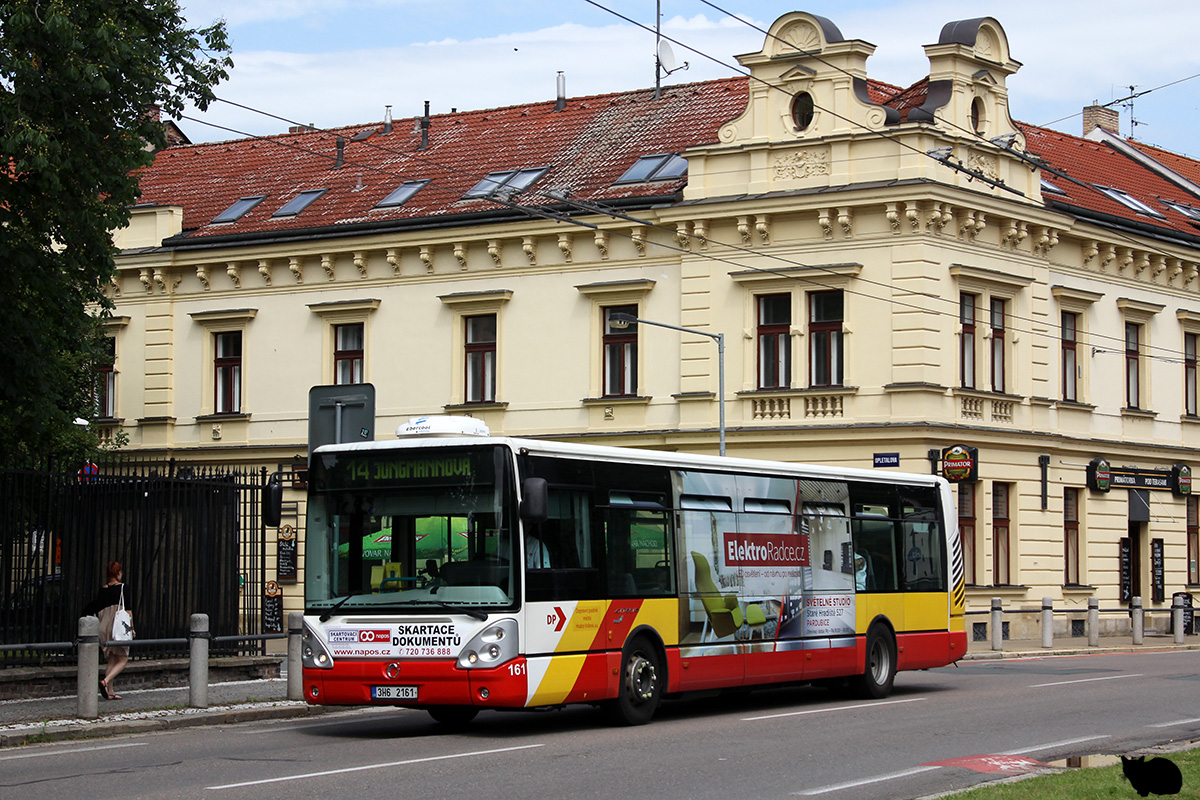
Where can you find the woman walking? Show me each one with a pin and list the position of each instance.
(112, 596)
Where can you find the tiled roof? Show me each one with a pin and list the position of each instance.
(1098, 165)
(587, 147)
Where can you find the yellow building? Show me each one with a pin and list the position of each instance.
(895, 272)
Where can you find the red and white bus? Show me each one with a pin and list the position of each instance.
(457, 572)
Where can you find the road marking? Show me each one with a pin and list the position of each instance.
(406, 762)
(835, 708)
(865, 781)
(1086, 680)
(1051, 745)
(58, 752)
(1176, 722)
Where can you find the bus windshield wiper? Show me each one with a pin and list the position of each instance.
(325, 617)
(473, 613)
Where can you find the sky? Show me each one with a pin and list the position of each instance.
(340, 62)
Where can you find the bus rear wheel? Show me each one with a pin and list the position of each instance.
(642, 681)
(453, 716)
(880, 672)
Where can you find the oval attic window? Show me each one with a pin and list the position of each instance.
(802, 110)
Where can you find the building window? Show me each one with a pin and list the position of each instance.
(998, 309)
(1070, 363)
(1133, 335)
(825, 338)
(1071, 537)
(620, 352)
(803, 110)
(1189, 374)
(106, 380)
(774, 341)
(348, 353)
(227, 372)
(1001, 519)
(1193, 541)
(966, 529)
(480, 360)
(966, 346)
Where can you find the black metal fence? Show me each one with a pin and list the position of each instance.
(189, 537)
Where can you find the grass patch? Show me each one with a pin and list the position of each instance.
(1093, 783)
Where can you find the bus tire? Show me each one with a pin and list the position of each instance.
(880, 670)
(642, 680)
(452, 716)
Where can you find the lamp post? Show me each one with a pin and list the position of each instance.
(620, 320)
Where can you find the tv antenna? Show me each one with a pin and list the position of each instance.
(664, 57)
(1127, 102)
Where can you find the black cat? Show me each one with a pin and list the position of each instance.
(1157, 776)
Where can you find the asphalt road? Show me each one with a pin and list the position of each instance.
(940, 730)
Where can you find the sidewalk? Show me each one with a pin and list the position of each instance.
(1028, 648)
(143, 710)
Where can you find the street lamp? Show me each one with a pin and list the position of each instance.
(622, 320)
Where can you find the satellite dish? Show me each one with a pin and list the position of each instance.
(666, 58)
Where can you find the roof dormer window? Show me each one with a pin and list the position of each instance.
(1190, 212)
(401, 194)
(1129, 201)
(238, 209)
(506, 183)
(660, 167)
(298, 203)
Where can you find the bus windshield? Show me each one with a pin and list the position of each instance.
(411, 530)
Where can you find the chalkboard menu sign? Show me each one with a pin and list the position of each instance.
(273, 608)
(1126, 569)
(1158, 588)
(285, 554)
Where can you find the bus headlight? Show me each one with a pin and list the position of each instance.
(312, 653)
(492, 646)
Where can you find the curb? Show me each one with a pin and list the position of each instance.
(991, 655)
(153, 722)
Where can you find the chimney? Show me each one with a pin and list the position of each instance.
(341, 153)
(425, 129)
(562, 92)
(387, 120)
(1108, 119)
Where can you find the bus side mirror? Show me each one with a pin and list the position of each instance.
(535, 503)
(272, 501)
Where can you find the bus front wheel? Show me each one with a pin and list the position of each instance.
(642, 681)
(880, 672)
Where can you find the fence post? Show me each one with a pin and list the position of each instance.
(1138, 621)
(198, 663)
(1093, 622)
(87, 669)
(997, 623)
(1177, 618)
(295, 667)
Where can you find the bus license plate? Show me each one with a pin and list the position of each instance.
(393, 693)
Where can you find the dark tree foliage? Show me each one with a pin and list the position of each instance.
(82, 83)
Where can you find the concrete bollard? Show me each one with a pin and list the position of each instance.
(1093, 622)
(997, 623)
(1177, 619)
(87, 668)
(1047, 622)
(295, 667)
(1138, 621)
(198, 663)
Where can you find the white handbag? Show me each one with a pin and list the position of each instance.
(122, 622)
